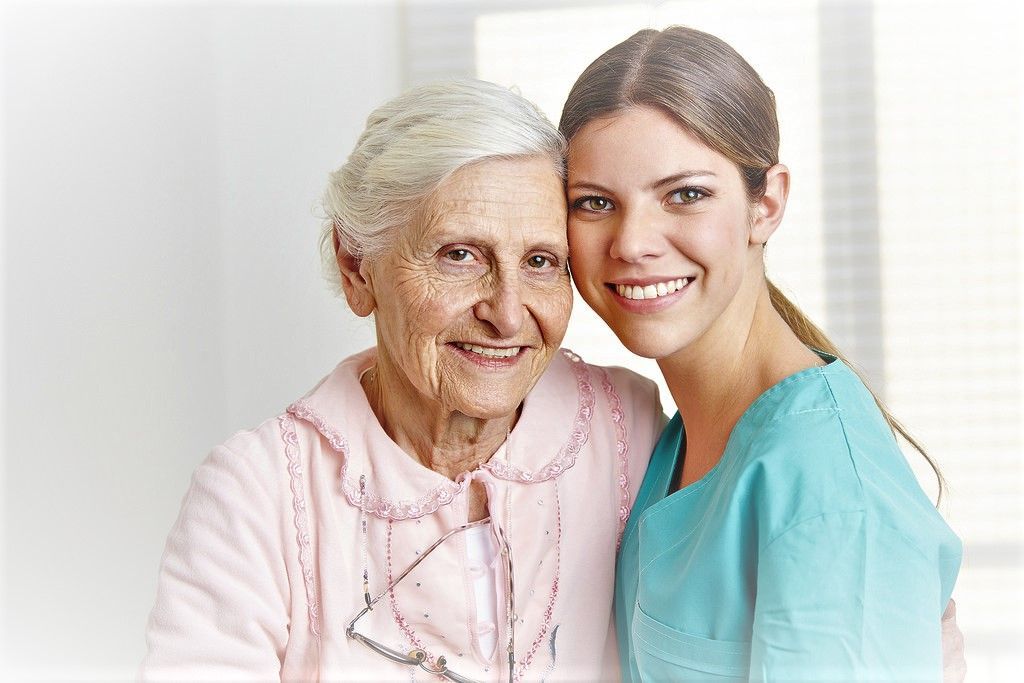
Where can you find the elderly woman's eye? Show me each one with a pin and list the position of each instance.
(593, 203)
(461, 255)
(538, 261)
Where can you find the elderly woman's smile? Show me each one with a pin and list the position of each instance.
(464, 438)
(473, 300)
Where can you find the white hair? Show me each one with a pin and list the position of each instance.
(414, 143)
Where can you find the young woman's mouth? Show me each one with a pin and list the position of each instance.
(642, 291)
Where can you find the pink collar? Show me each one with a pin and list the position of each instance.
(544, 444)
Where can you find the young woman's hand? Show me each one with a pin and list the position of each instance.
(954, 666)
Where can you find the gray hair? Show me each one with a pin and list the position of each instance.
(415, 142)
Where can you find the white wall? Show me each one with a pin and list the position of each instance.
(161, 288)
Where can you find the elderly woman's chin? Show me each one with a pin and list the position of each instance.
(491, 388)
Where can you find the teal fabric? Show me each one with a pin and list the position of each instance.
(809, 552)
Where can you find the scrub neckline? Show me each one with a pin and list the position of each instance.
(831, 362)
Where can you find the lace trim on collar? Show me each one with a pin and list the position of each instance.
(370, 503)
(566, 457)
(443, 494)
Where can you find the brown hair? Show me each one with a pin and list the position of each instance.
(712, 92)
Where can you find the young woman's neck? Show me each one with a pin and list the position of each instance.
(717, 377)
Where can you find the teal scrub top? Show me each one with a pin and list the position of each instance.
(809, 552)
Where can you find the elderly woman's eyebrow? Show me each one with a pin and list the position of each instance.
(560, 249)
(495, 243)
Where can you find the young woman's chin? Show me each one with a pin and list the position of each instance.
(654, 342)
(646, 349)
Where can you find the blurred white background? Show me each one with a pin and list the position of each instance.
(160, 284)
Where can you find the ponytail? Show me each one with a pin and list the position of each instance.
(812, 336)
(713, 93)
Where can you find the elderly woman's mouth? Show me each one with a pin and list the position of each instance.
(490, 353)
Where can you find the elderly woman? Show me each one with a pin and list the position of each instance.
(449, 501)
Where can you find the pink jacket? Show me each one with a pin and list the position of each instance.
(263, 569)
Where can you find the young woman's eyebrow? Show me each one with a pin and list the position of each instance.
(667, 180)
(678, 177)
(589, 187)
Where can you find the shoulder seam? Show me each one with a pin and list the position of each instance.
(846, 436)
(805, 520)
(863, 511)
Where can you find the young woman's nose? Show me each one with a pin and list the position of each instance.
(636, 237)
(502, 306)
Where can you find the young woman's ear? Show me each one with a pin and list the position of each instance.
(768, 210)
(357, 287)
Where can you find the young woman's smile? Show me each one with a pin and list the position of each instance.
(649, 294)
(659, 230)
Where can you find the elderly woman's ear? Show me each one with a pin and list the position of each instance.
(354, 283)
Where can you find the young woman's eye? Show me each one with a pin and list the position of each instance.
(593, 203)
(460, 255)
(687, 195)
(539, 261)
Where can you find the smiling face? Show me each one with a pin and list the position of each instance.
(665, 244)
(472, 302)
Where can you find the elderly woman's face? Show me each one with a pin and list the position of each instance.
(473, 301)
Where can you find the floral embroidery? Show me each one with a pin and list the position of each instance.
(396, 613)
(621, 451)
(291, 447)
(566, 457)
(445, 493)
(370, 503)
(383, 508)
(303, 411)
(523, 664)
(549, 611)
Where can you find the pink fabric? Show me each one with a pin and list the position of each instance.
(954, 666)
(263, 570)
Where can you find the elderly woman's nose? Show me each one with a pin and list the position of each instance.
(502, 307)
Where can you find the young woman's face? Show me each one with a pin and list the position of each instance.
(659, 231)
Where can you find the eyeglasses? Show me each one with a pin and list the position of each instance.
(418, 656)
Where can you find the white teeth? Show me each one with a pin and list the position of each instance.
(652, 291)
(488, 351)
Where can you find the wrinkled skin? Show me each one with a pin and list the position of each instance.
(486, 264)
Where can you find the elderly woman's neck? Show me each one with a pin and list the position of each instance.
(446, 441)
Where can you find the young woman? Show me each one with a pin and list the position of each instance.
(779, 533)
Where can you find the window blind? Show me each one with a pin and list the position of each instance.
(901, 124)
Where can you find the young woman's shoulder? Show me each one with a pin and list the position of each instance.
(819, 445)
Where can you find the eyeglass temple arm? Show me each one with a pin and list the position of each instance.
(510, 603)
(366, 589)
